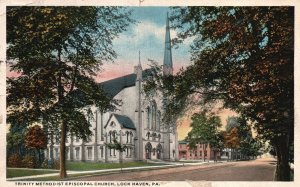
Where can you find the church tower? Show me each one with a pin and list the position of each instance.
(168, 64)
(167, 70)
(139, 130)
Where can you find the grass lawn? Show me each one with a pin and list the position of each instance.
(26, 172)
(74, 166)
(86, 166)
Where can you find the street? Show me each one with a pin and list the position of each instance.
(255, 170)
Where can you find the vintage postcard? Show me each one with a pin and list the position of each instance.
(149, 93)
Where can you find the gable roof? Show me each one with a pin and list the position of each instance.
(114, 86)
(123, 120)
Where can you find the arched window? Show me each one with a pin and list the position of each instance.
(148, 149)
(158, 151)
(131, 137)
(148, 135)
(148, 117)
(159, 137)
(114, 135)
(153, 136)
(127, 137)
(153, 117)
(110, 136)
(158, 121)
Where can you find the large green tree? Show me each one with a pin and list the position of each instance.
(205, 131)
(243, 56)
(238, 136)
(58, 51)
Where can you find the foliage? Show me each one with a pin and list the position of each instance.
(250, 147)
(204, 130)
(116, 145)
(239, 135)
(232, 139)
(56, 164)
(14, 160)
(244, 57)
(45, 164)
(35, 138)
(15, 143)
(58, 52)
(29, 162)
(119, 147)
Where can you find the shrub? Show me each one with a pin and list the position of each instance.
(56, 164)
(29, 161)
(14, 160)
(45, 164)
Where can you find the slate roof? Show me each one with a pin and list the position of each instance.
(125, 121)
(114, 86)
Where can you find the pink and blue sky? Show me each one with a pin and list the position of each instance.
(147, 36)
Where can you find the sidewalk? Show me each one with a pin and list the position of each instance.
(105, 171)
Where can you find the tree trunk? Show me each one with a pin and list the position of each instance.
(228, 154)
(120, 157)
(63, 133)
(282, 167)
(39, 153)
(62, 172)
(204, 153)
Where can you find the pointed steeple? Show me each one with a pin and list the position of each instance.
(139, 59)
(168, 64)
(138, 69)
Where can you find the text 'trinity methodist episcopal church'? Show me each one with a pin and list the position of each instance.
(137, 123)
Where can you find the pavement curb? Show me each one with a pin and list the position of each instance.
(110, 171)
(119, 171)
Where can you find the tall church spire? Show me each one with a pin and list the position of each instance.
(168, 64)
(138, 69)
(139, 58)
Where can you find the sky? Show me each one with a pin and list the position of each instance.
(146, 36)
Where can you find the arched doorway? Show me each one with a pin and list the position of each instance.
(148, 149)
(158, 151)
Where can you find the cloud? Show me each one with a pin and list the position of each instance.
(148, 37)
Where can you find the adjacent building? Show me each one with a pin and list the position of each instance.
(201, 152)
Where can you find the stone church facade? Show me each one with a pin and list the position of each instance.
(137, 123)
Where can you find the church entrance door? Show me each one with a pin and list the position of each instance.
(148, 149)
(158, 151)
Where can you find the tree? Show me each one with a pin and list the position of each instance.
(250, 147)
(58, 51)
(119, 147)
(238, 135)
(36, 138)
(232, 140)
(15, 142)
(204, 131)
(244, 57)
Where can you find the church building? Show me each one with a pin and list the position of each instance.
(136, 124)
